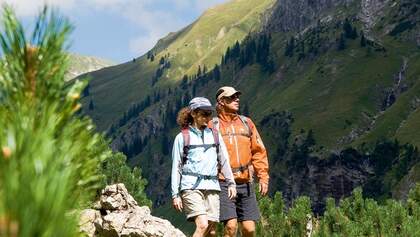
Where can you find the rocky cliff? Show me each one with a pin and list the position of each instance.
(295, 15)
(318, 179)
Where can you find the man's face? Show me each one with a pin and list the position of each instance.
(231, 103)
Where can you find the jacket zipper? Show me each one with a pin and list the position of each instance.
(236, 145)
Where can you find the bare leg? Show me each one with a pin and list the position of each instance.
(231, 227)
(211, 229)
(248, 228)
(201, 225)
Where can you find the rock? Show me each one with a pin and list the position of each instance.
(296, 15)
(334, 177)
(117, 214)
(87, 221)
(371, 11)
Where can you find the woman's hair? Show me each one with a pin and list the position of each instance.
(184, 118)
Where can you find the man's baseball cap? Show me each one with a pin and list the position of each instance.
(226, 91)
(200, 103)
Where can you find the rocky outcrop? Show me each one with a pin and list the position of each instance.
(371, 11)
(117, 214)
(407, 183)
(398, 87)
(336, 177)
(295, 15)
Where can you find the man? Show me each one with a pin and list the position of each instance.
(247, 155)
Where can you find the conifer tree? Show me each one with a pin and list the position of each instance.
(290, 47)
(347, 29)
(91, 106)
(362, 40)
(50, 157)
(341, 42)
(216, 73)
(116, 171)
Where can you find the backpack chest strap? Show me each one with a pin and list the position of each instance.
(205, 146)
(199, 177)
(236, 134)
(241, 168)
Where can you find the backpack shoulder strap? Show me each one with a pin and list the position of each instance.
(186, 137)
(215, 121)
(215, 130)
(246, 123)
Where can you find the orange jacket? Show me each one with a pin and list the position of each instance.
(246, 154)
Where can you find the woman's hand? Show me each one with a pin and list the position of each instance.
(231, 192)
(177, 203)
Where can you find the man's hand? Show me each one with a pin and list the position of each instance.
(231, 192)
(263, 189)
(177, 203)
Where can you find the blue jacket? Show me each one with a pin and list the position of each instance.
(199, 161)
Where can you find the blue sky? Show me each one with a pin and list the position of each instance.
(118, 30)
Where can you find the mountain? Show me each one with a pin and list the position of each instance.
(83, 64)
(332, 85)
(201, 44)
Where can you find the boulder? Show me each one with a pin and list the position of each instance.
(118, 214)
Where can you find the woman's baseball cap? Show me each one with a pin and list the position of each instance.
(200, 103)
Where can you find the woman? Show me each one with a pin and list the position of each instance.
(197, 155)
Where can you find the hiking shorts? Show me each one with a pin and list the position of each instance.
(244, 207)
(201, 202)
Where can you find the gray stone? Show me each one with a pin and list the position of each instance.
(296, 15)
(87, 221)
(123, 217)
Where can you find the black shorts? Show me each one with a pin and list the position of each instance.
(244, 207)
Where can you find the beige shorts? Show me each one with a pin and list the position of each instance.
(201, 202)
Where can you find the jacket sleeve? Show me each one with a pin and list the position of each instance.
(226, 170)
(259, 155)
(176, 165)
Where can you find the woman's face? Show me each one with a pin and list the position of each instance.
(201, 117)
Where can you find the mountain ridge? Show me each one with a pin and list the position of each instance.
(81, 64)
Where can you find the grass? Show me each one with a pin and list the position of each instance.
(323, 101)
(115, 88)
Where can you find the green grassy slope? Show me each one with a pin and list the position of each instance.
(207, 38)
(336, 93)
(114, 89)
(201, 43)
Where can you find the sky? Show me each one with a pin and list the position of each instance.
(117, 30)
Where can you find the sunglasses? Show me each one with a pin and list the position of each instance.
(205, 113)
(232, 97)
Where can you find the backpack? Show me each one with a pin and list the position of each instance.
(187, 146)
(186, 137)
